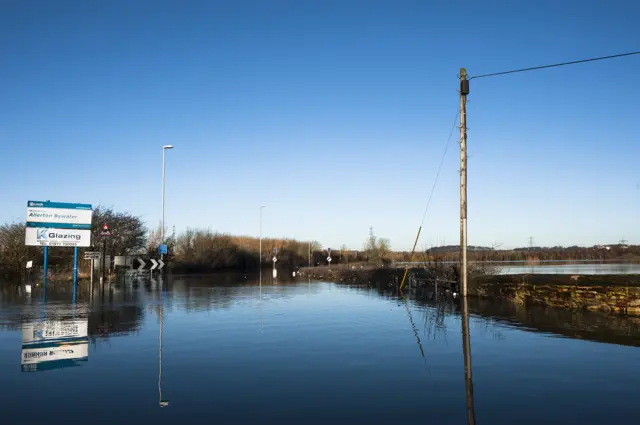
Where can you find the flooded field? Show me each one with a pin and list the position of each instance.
(219, 350)
(579, 268)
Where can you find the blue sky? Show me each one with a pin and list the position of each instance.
(334, 114)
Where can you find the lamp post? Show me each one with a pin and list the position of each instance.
(260, 255)
(164, 151)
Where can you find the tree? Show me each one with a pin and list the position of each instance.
(14, 254)
(376, 248)
(344, 254)
(128, 233)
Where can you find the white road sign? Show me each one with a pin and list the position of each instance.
(329, 259)
(92, 255)
(275, 259)
(154, 264)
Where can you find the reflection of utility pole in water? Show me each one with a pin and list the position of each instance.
(466, 349)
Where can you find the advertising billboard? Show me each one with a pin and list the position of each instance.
(42, 236)
(59, 215)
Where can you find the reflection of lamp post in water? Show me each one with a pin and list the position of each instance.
(163, 403)
(466, 349)
(260, 303)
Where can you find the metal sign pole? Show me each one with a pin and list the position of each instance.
(45, 265)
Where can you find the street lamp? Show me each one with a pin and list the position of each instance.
(164, 151)
(260, 255)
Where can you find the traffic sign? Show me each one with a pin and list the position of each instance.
(162, 249)
(154, 264)
(92, 255)
(274, 259)
(160, 264)
(329, 259)
(329, 251)
(105, 231)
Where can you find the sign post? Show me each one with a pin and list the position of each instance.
(75, 272)
(92, 256)
(104, 233)
(275, 259)
(45, 264)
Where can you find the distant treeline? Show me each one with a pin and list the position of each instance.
(201, 251)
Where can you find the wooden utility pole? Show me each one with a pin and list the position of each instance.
(464, 91)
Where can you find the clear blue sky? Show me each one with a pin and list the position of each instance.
(332, 113)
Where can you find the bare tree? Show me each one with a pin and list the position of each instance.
(14, 254)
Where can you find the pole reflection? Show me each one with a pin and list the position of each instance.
(161, 401)
(466, 349)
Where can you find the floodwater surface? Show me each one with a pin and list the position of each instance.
(578, 268)
(203, 351)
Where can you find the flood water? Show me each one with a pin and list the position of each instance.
(579, 268)
(226, 351)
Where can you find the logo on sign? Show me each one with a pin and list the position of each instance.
(42, 234)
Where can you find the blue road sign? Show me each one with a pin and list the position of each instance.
(162, 249)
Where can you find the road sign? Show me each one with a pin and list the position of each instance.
(162, 249)
(142, 264)
(154, 264)
(105, 231)
(274, 259)
(160, 264)
(329, 259)
(29, 264)
(92, 255)
(329, 251)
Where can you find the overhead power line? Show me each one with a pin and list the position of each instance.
(435, 182)
(556, 65)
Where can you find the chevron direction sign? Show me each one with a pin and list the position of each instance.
(155, 264)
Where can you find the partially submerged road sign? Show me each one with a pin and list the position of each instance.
(92, 255)
(105, 231)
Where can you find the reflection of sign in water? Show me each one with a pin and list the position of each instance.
(52, 344)
(52, 330)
